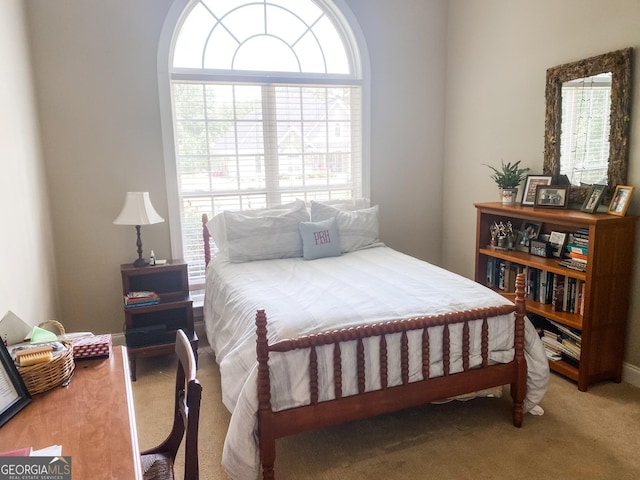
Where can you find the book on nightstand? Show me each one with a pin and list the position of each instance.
(140, 299)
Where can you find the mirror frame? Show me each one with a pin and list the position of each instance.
(619, 64)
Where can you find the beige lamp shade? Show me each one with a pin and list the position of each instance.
(138, 210)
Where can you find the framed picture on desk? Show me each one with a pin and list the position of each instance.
(14, 395)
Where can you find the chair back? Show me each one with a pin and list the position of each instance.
(188, 392)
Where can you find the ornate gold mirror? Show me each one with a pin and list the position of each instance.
(587, 122)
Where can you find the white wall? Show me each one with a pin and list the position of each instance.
(26, 277)
(406, 43)
(498, 53)
(96, 83)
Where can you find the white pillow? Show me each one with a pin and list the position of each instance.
(264, 237)
(218, 230)
(218, 234)
(349, 205)
(357, 229)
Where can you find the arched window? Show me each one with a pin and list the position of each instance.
(266, 107)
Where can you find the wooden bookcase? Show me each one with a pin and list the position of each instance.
(151, 330)
(606, 288)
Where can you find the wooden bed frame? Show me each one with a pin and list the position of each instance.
(277, 424)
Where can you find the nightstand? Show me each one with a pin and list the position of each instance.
(150, 330)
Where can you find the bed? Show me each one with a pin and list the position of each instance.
(311, 337)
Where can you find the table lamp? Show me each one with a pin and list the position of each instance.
(138, 211)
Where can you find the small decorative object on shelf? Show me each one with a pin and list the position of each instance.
(554, 196)
(593, 199)
(530, 185)
(620, 200)
(502, 236)
(540, 248)
(508, 179)
(528, 231)
(558, 241)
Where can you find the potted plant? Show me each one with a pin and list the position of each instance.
(508, 179)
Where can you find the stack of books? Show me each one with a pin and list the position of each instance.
(141, 299)
(561, 342)
(577, 250)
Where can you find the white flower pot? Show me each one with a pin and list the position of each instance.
(508, 195)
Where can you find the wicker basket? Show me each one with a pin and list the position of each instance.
(41, 377)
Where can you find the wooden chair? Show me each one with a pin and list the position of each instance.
(157, 463)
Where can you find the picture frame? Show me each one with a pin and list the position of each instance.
(14, 395)
(620, 200)
(593, 199)
(530, 185)
(558, 240)
(528, 231)
(552, 196)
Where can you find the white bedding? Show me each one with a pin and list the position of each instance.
(302, 297)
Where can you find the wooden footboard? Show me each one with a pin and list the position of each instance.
(273, 425)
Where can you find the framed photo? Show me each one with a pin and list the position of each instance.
(620, 200)
(14, 395)
(529, 231)
(558, 240)
(530, 185)
(552, 196)
(594, 196)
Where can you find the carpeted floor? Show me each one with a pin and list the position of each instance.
(593, 435)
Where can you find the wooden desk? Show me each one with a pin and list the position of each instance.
(93, 419)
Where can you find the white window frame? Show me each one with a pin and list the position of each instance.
(360, 59)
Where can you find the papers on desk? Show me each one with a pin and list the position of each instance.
(51, 451)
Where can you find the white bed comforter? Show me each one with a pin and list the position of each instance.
(302, 297)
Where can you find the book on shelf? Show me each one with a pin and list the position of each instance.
(574, 264)
(572, 333)
(141, 299)
(560, 342)
(491, 281)
(578, 256)
(577, 248)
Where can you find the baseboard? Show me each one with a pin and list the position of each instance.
(631, 374)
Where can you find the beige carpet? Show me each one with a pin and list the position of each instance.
(586, 436)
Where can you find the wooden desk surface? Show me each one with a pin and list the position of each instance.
(93, 419)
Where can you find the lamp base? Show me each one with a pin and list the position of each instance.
(140, 262)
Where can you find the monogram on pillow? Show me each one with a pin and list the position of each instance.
(322, 237)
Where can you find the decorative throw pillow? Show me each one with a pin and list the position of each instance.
(357, 229)
(319, 239)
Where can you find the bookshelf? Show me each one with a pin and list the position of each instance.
(600, 293)
(150, 330)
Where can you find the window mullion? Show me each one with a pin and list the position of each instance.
(270, 135)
